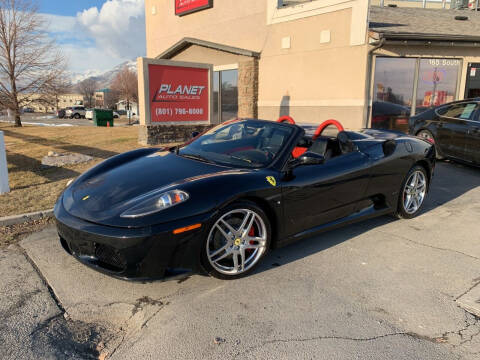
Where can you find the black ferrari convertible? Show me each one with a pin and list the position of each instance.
(218, 203)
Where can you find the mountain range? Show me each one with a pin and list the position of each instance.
(105, 78)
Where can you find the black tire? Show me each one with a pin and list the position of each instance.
(402, 212)
(77, 116)
(426, 134)
(214, 234)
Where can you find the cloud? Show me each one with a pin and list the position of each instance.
(99, 39)
(118, 27)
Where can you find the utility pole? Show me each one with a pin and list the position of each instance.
(4, 188)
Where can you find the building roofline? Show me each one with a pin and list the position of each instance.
(187, 42)
(423, 36)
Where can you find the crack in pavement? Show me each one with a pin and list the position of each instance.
(124, 329)
(470, 320)
(429, 246)
(477, 282)
(42, 278)
(67, 338)
(45, 323)
(333, 337)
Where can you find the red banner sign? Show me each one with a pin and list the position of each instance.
(184, 7)
(178, 93)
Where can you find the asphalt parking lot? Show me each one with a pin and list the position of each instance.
(39, 119)
(381, 289)
(48, 120)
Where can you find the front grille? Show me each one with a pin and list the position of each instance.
(109, 256)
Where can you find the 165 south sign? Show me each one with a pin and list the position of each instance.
(179, 93)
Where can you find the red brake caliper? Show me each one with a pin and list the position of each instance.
(251, 233)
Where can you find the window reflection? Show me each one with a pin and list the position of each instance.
(225, 95)
(437, 82)
(216, 94)
(394, 84)
(393, 90)
(229, 94)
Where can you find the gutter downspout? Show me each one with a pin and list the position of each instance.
(367, 107)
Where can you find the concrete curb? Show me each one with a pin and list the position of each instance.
(18, 219)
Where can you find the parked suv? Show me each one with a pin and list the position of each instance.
(76, 112)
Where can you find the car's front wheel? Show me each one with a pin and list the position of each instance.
(413, 193)
(77, 116)
(238, 239)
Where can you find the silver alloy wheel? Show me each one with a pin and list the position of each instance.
(231, 247)
(414, 192)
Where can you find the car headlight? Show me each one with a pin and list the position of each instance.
(156, 203)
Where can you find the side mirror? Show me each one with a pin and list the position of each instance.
(195, 134)
(309, 158)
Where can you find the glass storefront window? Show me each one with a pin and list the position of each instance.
(225, 95)
(216, 95)
(229, 97)
(394, 84)
(392, 93)
(437, 82)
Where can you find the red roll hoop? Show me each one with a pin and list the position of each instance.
(326, 123)
(286, 118)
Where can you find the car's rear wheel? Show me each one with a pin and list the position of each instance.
(427, 135)
(413, 193)
(238, 239)
(77, 116)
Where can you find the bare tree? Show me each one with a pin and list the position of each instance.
(50, 95)
(28, 59)
(125, 84)
(87, 88)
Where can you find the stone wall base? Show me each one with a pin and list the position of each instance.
(166, 134)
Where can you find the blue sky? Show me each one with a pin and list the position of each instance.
(96, 35)
(67, 7)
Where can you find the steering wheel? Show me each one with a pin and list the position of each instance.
(324, 125)
(270, 151)
(287, 119)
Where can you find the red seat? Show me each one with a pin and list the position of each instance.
(299, 151)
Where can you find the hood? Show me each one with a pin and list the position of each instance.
(104, 192)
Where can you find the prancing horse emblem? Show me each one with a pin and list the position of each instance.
(272, 180)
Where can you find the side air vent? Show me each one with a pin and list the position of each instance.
(389, 147)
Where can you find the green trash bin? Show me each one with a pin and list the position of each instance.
(102, 117)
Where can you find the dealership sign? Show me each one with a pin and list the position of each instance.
(184, 7)
(175, 92)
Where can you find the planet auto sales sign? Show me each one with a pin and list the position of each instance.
(184, 7)
(178, 93)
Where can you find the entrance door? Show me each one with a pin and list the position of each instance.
(472, 89)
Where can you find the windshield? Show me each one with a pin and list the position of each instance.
(249, 143)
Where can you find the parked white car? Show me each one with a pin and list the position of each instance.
(89, 114)
(76, 112)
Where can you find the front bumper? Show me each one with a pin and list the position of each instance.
(148, 253)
